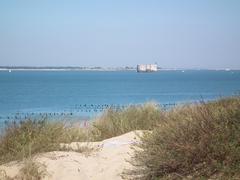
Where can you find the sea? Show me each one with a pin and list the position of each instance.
(82, 95)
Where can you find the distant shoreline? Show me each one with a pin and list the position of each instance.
(18, 68)
(65, 70)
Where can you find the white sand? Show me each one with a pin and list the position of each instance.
(107, 162)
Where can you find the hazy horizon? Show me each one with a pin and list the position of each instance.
(174, 34)
(113, 67)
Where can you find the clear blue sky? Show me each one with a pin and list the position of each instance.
(173, 33)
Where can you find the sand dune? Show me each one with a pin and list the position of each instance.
(107, 161)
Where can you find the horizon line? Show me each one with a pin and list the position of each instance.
(99, 68)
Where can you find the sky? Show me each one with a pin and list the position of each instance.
(171, 33)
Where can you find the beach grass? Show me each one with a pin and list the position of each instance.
(116, 122)
(192, 141)
(200, 141)
(30, 170)
(22, 139)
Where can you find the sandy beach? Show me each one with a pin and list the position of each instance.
(106, 161)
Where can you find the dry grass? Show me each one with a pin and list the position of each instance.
(192, 142)
(26, 138)
(86, 149)
(116, 122)
(188, 142)
(31, 170)
(23, 139)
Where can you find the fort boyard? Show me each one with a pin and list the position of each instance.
(146, 67)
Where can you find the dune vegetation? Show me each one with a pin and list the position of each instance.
(198, 141)
(23, 139)
(116, 122)
(192, 141)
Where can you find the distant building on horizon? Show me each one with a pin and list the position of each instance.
(147, 68)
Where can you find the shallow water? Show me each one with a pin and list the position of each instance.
(30, 92)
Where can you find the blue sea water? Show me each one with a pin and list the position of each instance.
(26, 92)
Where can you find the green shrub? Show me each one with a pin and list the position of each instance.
(193, 141)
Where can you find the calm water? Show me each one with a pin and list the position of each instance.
(31, 92)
